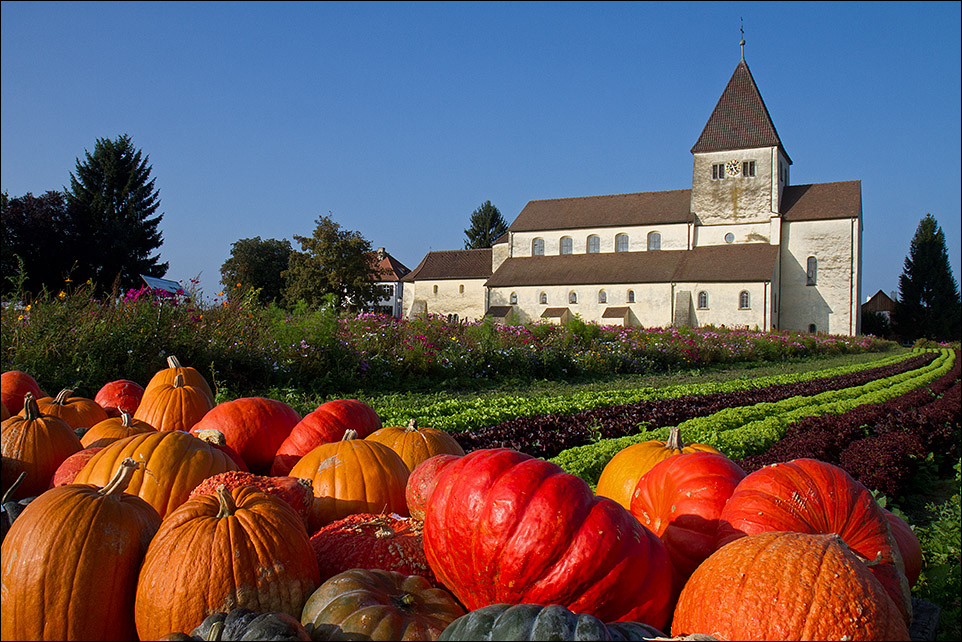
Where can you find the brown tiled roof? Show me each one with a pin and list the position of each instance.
(822, 201)
(740, 119)
(750, 262)
(553, 312)
(499, 311)
(605, 211)
(453, 264)
(615, 313)
(389, 268)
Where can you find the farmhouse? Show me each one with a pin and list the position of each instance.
(742, 248)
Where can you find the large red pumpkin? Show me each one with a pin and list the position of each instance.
(71, 560)
(14, 384)
(681, 499)
(240, 549)
(815, 497)
(504, 527)
(328, 423)
(253, 426)
(122, 394)
(786, 586)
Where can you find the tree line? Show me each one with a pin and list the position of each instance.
(104, 229)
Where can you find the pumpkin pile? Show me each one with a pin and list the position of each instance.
(154, 513)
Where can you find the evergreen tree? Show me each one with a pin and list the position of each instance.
(333, 261)
(929, 305)
(256, 264)
(114, 227)
(487, 225)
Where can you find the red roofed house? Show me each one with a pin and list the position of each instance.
(741, 248)
(390, 271)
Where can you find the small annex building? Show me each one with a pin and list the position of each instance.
(742, 248)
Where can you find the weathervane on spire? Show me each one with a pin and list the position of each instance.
(742, 41)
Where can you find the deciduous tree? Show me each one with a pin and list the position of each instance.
(33, 249)
(256, 264)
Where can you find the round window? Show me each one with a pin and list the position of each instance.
(729, 238)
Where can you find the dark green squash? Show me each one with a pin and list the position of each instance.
(536, 622)
(244, 624)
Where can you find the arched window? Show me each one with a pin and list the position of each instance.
(435, 289)
(543, 298)
(537, 247)
(744, 301)
(702, 300)
(811, 271)
(460, 289)
(631, 296)
(514, 298)
(654, 241)
(566, 245)
(811, 328)
(602, 296)
(621, 243)
(594, 244)
(572, 297)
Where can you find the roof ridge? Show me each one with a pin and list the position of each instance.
(569, 198)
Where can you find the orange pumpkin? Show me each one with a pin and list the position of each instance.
(174, 406)
(415, 444)
(36, 444)
(71, 561)
(621, 474)
(113, 429)
(353, 476)
(191, 377)
(174, 462)
(240, 549)
(780, 585)
(78, 412)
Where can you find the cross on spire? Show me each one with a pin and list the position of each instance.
(742, 41)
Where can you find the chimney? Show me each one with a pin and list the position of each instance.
(381, 254)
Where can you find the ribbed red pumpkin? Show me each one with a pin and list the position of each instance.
(173, 406)
(72, 465)
(786, 586)
(253, 426)
(14, 384)
(366, 540)
(815, 497)
(240, 549)
(71, 560)
(353, 476)
(173, 464)
(113, 429)
(326, 424)
(122, 394)
(36, 444)
(909, 546)
(504, 527)
(421, 483)
(78, 412)
(681, 498)
(296, 492)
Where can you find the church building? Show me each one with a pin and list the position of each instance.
(742, 248)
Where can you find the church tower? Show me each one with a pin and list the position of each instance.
(740, 166)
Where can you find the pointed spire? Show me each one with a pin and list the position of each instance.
(740, 119)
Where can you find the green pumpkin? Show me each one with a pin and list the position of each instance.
(536, 622)
(244, 624)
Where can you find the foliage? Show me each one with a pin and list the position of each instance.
(929, 304)
(33, 249)
(113, 226)
(256, 265)
(877, 324)
(487, 224)
(333, 261)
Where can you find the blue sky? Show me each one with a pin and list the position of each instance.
(399, 119)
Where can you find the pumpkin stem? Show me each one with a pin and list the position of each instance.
(412, 426)
(674, 439)
(31, 410)
(211, 436)
(227, 505)
(179, 381)
(121, 478)
(62, 396)
(406, 601)
(349, 434)
(125, 418)
(173, 362)
(8, 495)
(216, 631)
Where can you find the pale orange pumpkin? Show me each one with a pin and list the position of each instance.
(174, 462)
(173, 406)
(71, 561)
(113, 429)
(621, 474)
(353, 476)
(416, 444)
